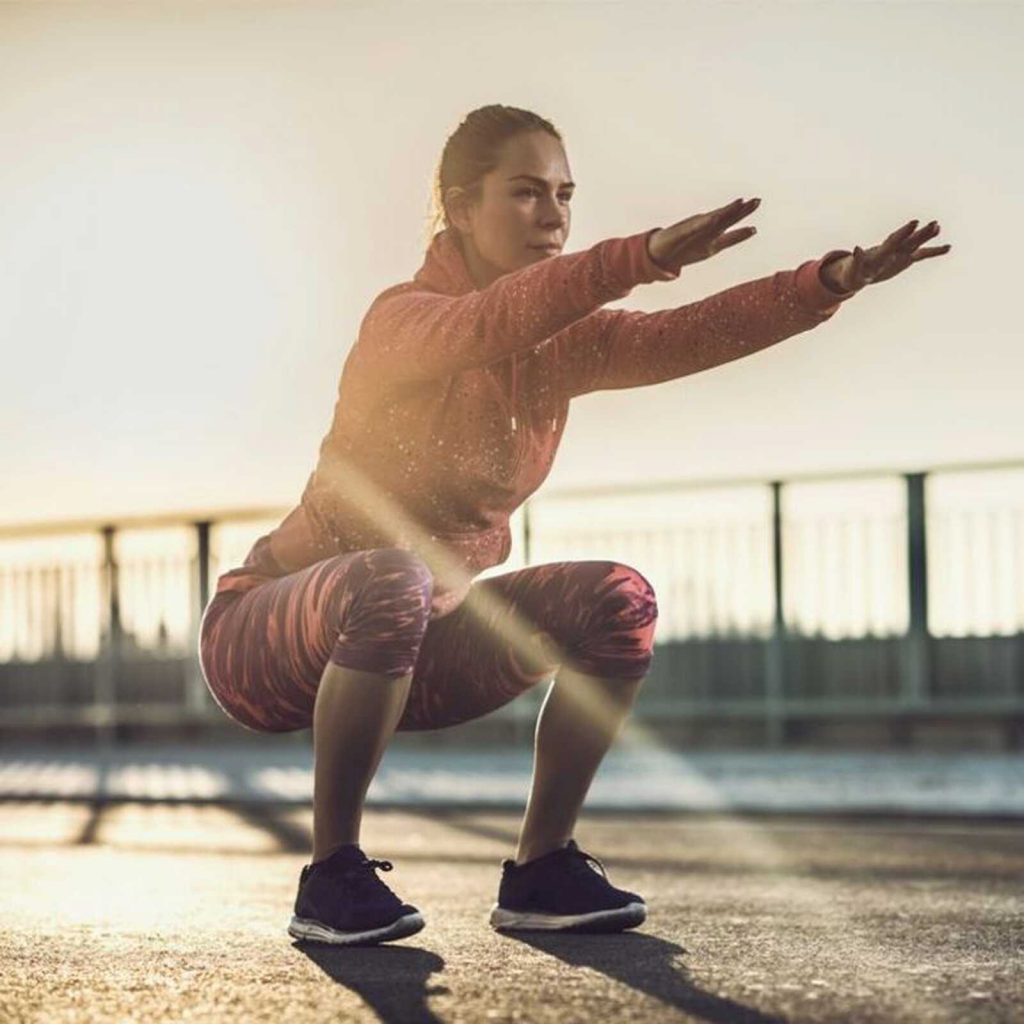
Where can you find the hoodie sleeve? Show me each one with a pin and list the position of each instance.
(621, 348)
(417, 334)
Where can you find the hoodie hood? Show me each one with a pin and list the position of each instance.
(444, 267)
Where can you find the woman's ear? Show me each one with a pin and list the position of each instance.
(458, 204)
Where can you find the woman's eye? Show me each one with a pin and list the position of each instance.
(564, 197)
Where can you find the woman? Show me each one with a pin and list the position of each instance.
(359, 614)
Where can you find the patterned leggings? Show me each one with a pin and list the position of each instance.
(264, 650)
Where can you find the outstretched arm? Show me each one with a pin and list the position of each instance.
(624, 348)
(627, 348)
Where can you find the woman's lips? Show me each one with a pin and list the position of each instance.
(547, 248)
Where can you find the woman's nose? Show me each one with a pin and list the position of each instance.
(553, 215)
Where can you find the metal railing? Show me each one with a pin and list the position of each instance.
(873, 592)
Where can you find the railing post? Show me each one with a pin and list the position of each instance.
(775, 665)
(195, 684)
(104, 689)
(203, 558)
(915, 686)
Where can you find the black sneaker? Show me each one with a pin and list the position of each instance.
(342, 901)
(562, 892)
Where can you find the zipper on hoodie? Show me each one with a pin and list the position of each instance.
(554, 423)
(517, 458)
(519, 444)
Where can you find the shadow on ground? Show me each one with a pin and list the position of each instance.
(959, 854)
(648, 965)
(393, 980)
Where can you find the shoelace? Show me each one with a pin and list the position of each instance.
(363, 878)
(581, 859)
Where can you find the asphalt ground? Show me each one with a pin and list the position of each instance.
(177, 912)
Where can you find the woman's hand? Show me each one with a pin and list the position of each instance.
(852, 272)
(700, 236)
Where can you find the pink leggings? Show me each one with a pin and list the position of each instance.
(264, 650)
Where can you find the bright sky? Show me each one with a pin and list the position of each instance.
(200, 202)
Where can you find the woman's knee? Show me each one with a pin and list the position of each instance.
(621, 623)
(387, 611)
(625, 597)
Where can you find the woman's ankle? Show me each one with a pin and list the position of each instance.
(536, 850)
(330, 850)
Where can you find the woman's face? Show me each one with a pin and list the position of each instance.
(523, 205)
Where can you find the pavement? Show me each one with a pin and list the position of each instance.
(635, 775)
(154, 883)
(154, 912)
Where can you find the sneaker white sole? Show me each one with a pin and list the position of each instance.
(316, 931)
(628, 916)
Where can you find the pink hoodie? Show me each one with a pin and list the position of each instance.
(453, 399)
